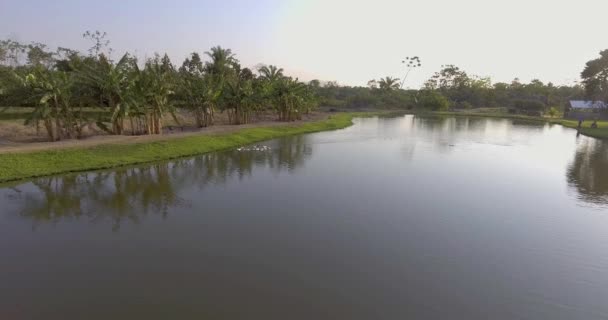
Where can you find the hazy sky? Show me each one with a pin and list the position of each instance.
(345, 40)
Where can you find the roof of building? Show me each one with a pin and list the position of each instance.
(581, 104)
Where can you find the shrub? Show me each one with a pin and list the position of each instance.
(434, 100)
(553, 112)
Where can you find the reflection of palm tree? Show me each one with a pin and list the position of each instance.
(587, 172)
(131, 193)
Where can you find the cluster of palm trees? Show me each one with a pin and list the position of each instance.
(124, 90)
(222, 84)
(135, 98)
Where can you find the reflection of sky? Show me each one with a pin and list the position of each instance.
(329, 219)
(435, 152)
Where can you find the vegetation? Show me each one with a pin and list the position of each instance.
(595, 77)
(27, 165)
(63, 86)
(460, 90)
(215, 82)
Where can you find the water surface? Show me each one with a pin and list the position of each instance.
(392, 218)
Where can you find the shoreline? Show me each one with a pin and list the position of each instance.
(599, 133)
(35, 160)
(15, 166)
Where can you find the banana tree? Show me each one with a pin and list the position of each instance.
(199, 91)
(239, 101)
(158, 86)
(55, 107)
(289, 99)
(111, 82)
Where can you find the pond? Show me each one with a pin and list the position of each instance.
(392, 218)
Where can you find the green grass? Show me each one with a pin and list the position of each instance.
(600, 132)
(18, 166)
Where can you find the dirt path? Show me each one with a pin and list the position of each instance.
(21, 147)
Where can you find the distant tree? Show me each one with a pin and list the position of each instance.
(316, 84)
(449, 77)
(388, 84)
(221, 64)
(12, 52)
(100, 42)
(410, 64)
(271, 73)
(166, 65)
(595, 77)
(37, 55)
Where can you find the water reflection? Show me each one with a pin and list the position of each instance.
(588, 172)
(129, 194)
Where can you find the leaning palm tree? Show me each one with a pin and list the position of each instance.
(388, 84)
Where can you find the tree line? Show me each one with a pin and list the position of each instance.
(69, 90)
(453, 88)
(63, 86)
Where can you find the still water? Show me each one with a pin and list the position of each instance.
(392, 218)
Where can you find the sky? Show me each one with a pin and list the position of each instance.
(347, 41)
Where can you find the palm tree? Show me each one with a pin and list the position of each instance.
(271, 73)
(388, 84)
(222, 61)
(219, 70)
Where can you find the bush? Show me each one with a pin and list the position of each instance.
(553, 112)
(434, 100)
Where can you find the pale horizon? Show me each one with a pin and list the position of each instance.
(350, 42)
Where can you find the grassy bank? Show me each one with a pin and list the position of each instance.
(43, 163)
(600, 132)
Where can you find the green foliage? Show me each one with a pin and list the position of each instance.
(433, 100)
(138, 96)
(465, 91)
(35, 164)
(55, 108)
(595, 78)
(553, 112)
(388, 84)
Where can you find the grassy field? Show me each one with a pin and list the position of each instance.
(600, 132)
(19, 166)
